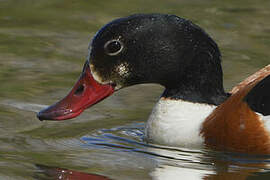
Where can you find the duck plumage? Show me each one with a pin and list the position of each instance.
(241, 123)
(194, 109)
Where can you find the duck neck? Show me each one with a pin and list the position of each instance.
(199, 79)
(197, 93)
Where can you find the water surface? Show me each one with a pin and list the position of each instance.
(43, 45)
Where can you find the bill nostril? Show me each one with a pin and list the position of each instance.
(79, 90)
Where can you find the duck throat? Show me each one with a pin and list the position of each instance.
(177, 122)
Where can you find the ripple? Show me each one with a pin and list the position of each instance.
(23, 105)
(173, 160)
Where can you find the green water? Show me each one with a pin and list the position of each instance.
(43, 46)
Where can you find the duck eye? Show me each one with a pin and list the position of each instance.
(113, 47)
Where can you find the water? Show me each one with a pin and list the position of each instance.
(43, 45)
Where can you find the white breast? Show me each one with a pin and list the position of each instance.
(177, 123)
(266, 121)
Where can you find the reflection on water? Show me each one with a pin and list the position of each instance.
(43, 45)
(172, 163)
(66, 174)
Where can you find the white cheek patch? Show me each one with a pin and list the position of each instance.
(95, 75)
(123, 70)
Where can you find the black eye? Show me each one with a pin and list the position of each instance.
(113, 47)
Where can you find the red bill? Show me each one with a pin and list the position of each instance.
(86, 92)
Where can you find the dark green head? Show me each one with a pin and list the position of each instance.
(152, 48)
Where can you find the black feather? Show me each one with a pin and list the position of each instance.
(258, 98)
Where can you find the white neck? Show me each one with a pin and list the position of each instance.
(177, 123)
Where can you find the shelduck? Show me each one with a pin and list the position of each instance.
(194, 110)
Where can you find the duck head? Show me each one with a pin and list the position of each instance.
(146, 48)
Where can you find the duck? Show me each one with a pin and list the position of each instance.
(194, 110)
